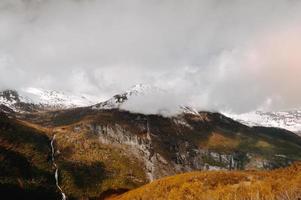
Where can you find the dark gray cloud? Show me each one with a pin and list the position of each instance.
(236, 55)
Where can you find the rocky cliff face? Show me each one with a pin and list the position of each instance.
(207, 141)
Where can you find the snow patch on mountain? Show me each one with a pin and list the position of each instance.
(57, 98)
(10, 99)
(7, 99)
(19, 101)
(289, 120)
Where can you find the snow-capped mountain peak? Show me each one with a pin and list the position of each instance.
(141, 97)
(290, 120)
(27, 99)
(117, 100)
(9, 98)
(57, 98)
(142, 89)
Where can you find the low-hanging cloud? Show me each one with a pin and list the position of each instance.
(224, 55)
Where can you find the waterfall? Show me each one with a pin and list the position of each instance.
(56, 174)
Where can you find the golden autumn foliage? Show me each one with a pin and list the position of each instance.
(281, 184)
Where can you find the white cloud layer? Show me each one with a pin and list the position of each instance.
(224, 55)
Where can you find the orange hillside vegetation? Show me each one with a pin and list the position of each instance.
(281, 184)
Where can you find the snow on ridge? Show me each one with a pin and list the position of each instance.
(45, 98)
(189, 110)
(133, 97)
(7, 103)
(117, 100)
(140, 89)
(289, 120)
(56, 98)
(143, 89)
(9, 98)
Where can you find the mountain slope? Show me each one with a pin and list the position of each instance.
(25, 168)
(33, 99)
(102, 151)
(107, 151)
(10, 100)
(278, 184)
(88, 167)
(169, 145)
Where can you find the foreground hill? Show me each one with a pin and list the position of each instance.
(281, 184)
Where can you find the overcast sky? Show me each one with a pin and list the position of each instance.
(234, 55)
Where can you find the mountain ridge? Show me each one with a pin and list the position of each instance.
(289, 120)
(34, 99)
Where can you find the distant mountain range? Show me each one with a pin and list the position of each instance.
(289, 120)
(33, 99)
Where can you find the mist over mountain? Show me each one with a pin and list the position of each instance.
(237, 56)
(141, 99)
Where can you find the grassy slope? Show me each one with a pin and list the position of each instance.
(284, 184)
(210, 131)
(225, 135)
(25, 169)
(89, 168)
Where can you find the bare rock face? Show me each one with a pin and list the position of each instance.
(208, 141)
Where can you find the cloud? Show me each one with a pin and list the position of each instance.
(222, 55)
(155, 101)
